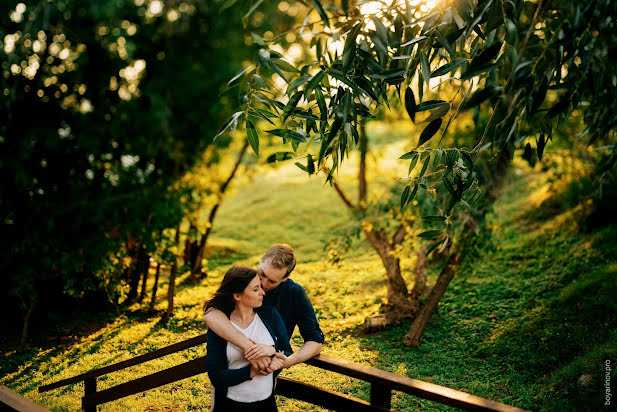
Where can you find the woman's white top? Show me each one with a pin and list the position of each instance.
(261, 386)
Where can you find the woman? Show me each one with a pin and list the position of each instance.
(238, 385)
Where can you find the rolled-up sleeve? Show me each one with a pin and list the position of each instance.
(305, 317)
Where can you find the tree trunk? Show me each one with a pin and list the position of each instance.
(134, 275)
(191, 247)
(197, 267)
(419, 324)
(398, 306)
(24, 330)
(421, 275)
(172, 279)
(145, 268)
(155, 286)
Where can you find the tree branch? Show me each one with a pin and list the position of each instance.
(399, 235)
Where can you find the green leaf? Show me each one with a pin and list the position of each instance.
(321, 102)
(431, 234)
(412, 164)
(468, 161)
(251, 134)
(410, 104)
(434, 218)
(426, 68)
(440, 112)
(288, 134)
(408, 155)
(297, 83)
(382, 32)
(280, 156)
(233, 119)
(291, 104)
(285, 65)
(446, 44)
(414, 41)
(348, 55)
(276, 69)
(258, 113)
(540, 145)
(390, 74)
(314, 82)
(474, 71)
(301, 166)
(239, 74)
(310, 165)
(320, 11)
(425, 165)
(449, 187)
(448, 67)
(429, 131)
(405, 196)
(430, 104)
(258, 40)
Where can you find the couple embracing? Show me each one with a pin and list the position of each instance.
(251, 318)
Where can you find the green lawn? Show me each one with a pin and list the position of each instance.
(531, 310)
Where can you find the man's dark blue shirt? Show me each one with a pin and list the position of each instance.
(292, 302)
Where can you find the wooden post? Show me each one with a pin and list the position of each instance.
(89, 389)
(381, 395)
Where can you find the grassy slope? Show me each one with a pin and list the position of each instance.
(530, 312)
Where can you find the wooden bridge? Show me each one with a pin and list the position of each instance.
(382, 384)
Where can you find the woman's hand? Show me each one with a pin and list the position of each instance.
(278, 362)
(255, 371)
(258, 350)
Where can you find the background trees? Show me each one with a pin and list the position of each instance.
(105, 107)
(525, 65)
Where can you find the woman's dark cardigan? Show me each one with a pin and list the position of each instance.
(216, 357)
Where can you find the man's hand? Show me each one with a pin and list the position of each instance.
(258, 350)
(261, 364)
(278, 362)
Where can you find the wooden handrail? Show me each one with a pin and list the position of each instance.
(382, 384)
(167, 350)
(421, 389)
(12, 401)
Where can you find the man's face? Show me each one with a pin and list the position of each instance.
(270, 276)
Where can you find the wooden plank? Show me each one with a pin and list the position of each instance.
(381, 395)
(89, 389)
(177, 347)
(415, 387)
(12, 401)
(169, 375)
(314, 395)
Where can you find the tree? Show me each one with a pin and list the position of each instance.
(526, 64)
(104, 109)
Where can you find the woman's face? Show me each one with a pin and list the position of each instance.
(253, 295)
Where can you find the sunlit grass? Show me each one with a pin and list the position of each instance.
(524, 318)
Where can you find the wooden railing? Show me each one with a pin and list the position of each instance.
(382, 384)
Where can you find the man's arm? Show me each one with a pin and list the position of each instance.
(309, 329)
(306, 352)
(219, 323)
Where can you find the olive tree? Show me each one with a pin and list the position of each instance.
(526, 65)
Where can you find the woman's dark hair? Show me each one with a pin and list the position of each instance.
(235, 281)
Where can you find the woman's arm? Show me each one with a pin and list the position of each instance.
(216, 364)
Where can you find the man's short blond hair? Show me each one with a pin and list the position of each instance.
(280, 256)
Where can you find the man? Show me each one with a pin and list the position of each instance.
(291, 301)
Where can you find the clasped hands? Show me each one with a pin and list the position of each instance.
(264, 359)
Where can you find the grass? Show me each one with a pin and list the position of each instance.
(531, 310)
